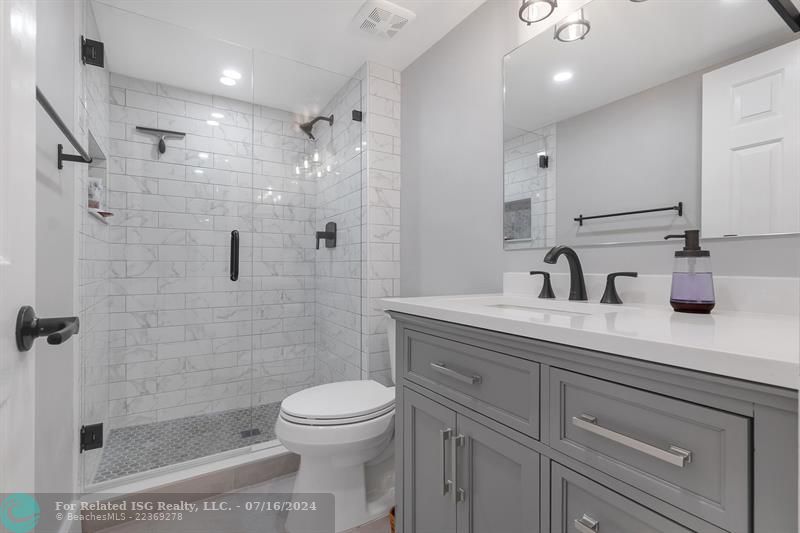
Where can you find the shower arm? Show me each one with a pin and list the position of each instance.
(307, 127)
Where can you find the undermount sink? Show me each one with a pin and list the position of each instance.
(539, 309)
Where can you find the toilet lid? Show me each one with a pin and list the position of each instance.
(337, 401)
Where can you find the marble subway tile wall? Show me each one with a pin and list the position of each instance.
(524, 180)
(338, 274)
(284, 356)
(381, 196)
(185, 339)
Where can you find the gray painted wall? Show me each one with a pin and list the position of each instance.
(636, 153)
(452, 133)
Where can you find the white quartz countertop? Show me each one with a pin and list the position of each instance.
(758, 347)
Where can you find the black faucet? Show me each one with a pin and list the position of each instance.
(577, 285)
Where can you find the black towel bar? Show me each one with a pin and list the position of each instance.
(84, 156)
(678, 208)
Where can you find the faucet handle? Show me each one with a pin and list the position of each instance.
(547, 288)
(610, 295)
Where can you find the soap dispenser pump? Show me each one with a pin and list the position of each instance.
(692, 280)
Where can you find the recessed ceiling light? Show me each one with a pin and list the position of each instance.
(230, 82)
(198, 171)
(202, 155)
(212, 122)
(232, 74)
(217, 115)
(563, 76)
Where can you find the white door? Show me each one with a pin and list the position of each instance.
(17, 238)
(751, 145)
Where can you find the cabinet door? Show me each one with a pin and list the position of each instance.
(428, 431)
(497, 483)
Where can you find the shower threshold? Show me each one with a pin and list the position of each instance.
(136, 449)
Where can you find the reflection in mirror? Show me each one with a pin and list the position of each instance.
(605, 137)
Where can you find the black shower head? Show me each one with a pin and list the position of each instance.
(307, 127)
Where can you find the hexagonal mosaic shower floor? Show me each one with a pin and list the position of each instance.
(134, 449)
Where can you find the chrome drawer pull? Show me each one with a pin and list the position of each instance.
(446, 483)
(442, 369)
(674, 456)
(458, 442)
(587, 524)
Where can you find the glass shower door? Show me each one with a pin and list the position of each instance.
(166, 307)
(307, 179)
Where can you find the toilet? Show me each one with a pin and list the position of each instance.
(344, 434)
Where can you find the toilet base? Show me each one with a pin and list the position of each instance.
(362, 493)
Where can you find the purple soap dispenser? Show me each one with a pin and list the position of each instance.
(692, 280)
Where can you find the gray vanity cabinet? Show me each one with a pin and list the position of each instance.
(428, 430)
(462, 476)
(503, 434)
(500, 480)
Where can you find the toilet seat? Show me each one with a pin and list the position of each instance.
(334, 404)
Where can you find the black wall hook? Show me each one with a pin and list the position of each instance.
(30, 327)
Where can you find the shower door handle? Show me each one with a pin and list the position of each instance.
(235, 255)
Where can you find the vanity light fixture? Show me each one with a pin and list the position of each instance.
(230, 82)
(573, 28)
(536, 10)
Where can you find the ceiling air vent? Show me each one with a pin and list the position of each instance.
(382, 19)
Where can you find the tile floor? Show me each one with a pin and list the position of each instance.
(270, 524)
(135, 449)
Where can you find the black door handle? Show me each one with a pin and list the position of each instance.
(30, 327)
(235, 255)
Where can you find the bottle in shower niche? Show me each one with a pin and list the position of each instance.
(692, 280)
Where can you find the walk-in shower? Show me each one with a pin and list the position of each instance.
(182, 360)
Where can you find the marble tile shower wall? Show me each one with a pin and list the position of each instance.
(338, 270)
(524, 180)
(185, 339)
(381, 196)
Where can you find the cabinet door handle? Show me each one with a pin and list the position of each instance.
(445, 435)
(586, 524)
(458, 494)
(469, 380)
(674, 456)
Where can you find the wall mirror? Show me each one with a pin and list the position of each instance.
(665, 116)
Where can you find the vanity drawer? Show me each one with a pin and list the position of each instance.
(501, 386)
(580, 505)
(693, 457)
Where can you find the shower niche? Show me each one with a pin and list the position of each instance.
(186, 363)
